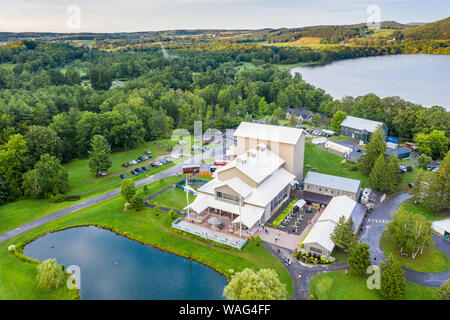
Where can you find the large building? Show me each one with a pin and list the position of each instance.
(332, 186)
(318, 241)
(301, 114)
(359, 128)
(255, 184)
(288, 143)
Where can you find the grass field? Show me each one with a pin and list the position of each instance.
(173, 199)
(285, 212)
(17, 213)
(329, 163)
(432, 260)
(416, 208)
(17, 278)
(339, 286)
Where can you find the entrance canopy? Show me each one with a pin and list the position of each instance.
(250, 215)
(300, 203)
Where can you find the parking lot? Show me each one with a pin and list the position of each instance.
(144, 163)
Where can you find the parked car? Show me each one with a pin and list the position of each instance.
(153, 165)
(132, 162)
(143, 158)
(139, 170)
(402, 169)
(145, 168)
(102, 173)
(147, 152)
(158, 164)
(138, 160)
(134, 173)
(123, 176)
(125, 164)
(169, 160)
(430, 167)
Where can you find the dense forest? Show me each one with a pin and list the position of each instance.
(54, 97)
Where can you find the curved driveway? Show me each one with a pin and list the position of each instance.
(374, 228)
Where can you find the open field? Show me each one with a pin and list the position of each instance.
(339, 286)
(329, 163)
(17, 213)
(173, 199)
(433, 259)
(145, 226)
(416, 208)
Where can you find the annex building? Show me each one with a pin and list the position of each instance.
(359, 128)
(332, 186)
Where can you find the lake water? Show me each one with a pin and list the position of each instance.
(115, 267)
(423, 79)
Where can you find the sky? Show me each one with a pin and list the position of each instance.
(152, 15)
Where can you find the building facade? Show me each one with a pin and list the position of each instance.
(361, 129)
(332, 186)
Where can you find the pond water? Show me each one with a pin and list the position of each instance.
(115, 267)
(421, 78)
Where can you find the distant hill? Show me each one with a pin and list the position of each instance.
(439, 30)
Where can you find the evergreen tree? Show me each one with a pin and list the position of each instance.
(99, 155)
(379, 176)
(359, 259)
(337, 119)
(128, 190)
(392, 281)
(342, 235)
(393, 173)
(374, 149)
(292, 120)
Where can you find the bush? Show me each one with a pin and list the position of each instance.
(72, 197)
(57, 198)
(50, 275)
(409, 168)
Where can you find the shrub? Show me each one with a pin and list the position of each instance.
(50, 275)
(57, 198)
(409, 168)
(72, 197)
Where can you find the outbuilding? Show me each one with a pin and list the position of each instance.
(402, 152)
(359, 128)
(442, 227)
(332, 186)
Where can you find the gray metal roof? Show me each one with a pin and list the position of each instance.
(361, 124)
(398, 151)
(335, 182)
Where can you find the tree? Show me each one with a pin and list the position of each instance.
(337, 119)
(99, 155)
(317, 119)
(100, 78)
(251, 285)
(424, 161)
(128, 190)
(292, 120)
(392, 281)
(373, 150)
(435, 144)
(4, 191)
(137, 202)
(359, 259)
(47, 178)
(393, 173)
(379, 176)
(50, 275)
(41, 140)
(342, 235)
(443, 293)
(439, 195)
(411, 233)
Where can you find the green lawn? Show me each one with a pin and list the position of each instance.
(144, 226)
(339, 286)
(174, 199)
(329, 163)
(416, 208)
(407, 178)
(432, 260)
(338, 138)
(23, 211)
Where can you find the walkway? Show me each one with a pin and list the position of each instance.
(284, 240)
(374, 228)
(301, 274)
(103, 197)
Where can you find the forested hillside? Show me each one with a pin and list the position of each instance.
(436, 30)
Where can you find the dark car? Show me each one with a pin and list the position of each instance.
(125, 164)
(142, 158)
(153, 165)
(123, 176)
(139, 170)
(145, 168)
(138, 160)
(147, 152)
(134, 173)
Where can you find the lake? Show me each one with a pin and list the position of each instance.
(423, 79)
(115, 267)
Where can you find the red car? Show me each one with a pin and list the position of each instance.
(125, 164)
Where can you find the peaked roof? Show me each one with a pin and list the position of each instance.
(268, 132)
(335, 182)
(361, 124)
(299, 112)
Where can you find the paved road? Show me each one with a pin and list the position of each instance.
(301, 274)
(374, 228)
(108, 195)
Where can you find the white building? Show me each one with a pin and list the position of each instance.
(318, 241)
(442, 227)
(332, 186)
(343, 150)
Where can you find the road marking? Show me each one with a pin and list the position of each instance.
(383, 221)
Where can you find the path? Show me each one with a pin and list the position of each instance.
(376, 225)
(105, 196)
(301, 274)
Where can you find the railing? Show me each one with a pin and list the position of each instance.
(205, 236)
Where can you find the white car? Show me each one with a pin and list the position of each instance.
(402, 168)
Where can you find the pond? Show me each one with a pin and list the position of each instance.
(115, 267)
(423, 78)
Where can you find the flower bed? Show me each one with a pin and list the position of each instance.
(306, 258)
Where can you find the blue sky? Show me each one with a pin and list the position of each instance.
(144, 15)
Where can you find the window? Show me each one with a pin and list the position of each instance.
(227, 197)
(315, 250)
(278, 199)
